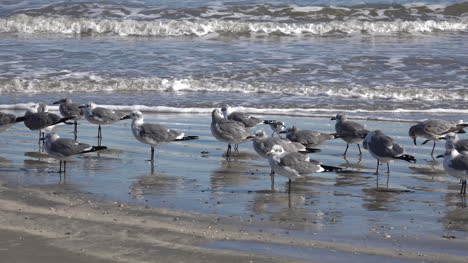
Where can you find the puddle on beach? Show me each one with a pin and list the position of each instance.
(417, 201)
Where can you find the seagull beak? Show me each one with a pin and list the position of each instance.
(57, 102)
(414, 140)
(333, 118)
(440, 156)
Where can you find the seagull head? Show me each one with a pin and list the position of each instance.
(226, 110)
(89, 106)
(260, 134)
(276, 150)
(412, 134)
(136, 115)
(216, 113)
(339, 117)
(51, 136)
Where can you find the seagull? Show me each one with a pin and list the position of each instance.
(101, 116)
(456, 165)
(350, 131)
(307, 137)
(37, 118)
(8, 120)
(385, 149)
(262, 144)
(453, 141)
(154, 134)
(247, 120)
(64, 149)
(69, 109)
(228, 131)
(434, 130)
(294, 165)
(277, 127)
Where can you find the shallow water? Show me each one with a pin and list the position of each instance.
(417, 202)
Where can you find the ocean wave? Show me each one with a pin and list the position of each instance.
(92, 83)
(360, 114)
(174, 28)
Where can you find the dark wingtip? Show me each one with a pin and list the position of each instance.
(408, 158)
(188, 138)
(125, 117)
(329, 168)
(20, 119)
(461, 131)
(313, 150)
(269, 121)
(440, 156)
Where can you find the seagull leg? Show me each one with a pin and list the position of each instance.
(60, 169)
(75, 130)
(377, 170)
(289, 187)
(99, 136)
(272, 178)
(388, 168)
(64, 167)
(228, 152)
(152, 154)
(433, 147)
(236, 148)
(463, 187)
(359, 148)
(347, 146)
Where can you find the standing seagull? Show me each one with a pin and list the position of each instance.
(385, 149)
(350, 131)
(64, 149)
(101, 116)
(308, 138)
(293, 165)
(456, 165)
(69, 109)
(228, 131)
(262, 144)
(154, 134)
(434, 129)
(8, 120)
(37, 118)
(452, 141)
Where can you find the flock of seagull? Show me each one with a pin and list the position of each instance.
(287, 156)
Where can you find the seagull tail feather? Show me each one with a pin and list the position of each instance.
(94, 149)
(329, 168)
(20, 119)
(310, 150)
(269, 121)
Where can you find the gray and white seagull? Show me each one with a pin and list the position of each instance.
(308, 138)
(101, 116)
(294, 165)
(246, 119)
(64, 149)
(37, 118)
(154, 134)
(456, 165)
(453, 141)
(350, 131)
(68, 108)
(385, 149)
(434, 130)
(228, 131)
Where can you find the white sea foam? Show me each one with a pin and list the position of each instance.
(92, 83)
(164, 28)
(363, 114)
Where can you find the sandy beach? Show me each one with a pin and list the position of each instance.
(195, 206)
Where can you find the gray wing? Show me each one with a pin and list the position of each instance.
(309, 138)
(106, 115)
(71, 109)
(300, 163)
(460, 162)
(41, 120)
(245, 119)
(461, 145)
(232, 130)
(384, 146)
(68, 147)
(158, 132)
(351, 129)
(439, 127)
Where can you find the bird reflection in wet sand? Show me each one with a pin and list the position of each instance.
(232, 173)
(155, 184)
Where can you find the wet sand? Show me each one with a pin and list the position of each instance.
(196, 206)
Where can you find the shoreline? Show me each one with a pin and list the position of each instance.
(75, 225)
